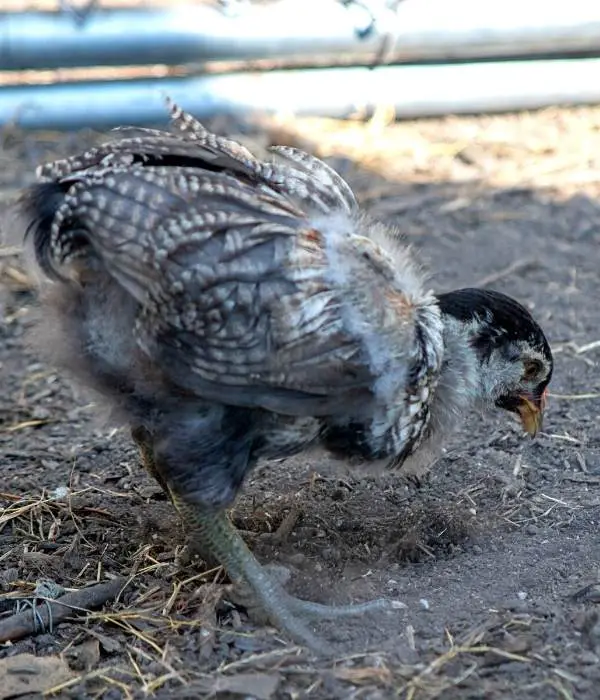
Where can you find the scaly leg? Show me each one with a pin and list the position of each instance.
(287, 613)
(143, 440)
(211, 534)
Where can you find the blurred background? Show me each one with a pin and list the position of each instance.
(68, 64)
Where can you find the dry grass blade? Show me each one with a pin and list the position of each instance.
(35, 423)
(575, 397)
(29, 508)
(10, 251)
(19, 508)
(431, 684)
(366, 674)
(512, 269)
(98, 673)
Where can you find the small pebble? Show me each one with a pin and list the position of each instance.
(515, 604)
(330, 554)
(424, 603)
(60, 492)
(588, 658)
(297, 559)
(585, 684)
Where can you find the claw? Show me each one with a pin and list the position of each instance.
(292, 616)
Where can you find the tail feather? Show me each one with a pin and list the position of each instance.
(106, 206)
(39, 205)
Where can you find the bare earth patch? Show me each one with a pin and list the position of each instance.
(491, 554)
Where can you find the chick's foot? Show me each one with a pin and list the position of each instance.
(292, 616)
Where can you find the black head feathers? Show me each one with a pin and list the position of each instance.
(503, 320)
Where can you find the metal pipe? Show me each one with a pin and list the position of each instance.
(414, 91)
(310, 30)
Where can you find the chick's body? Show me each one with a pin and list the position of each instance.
(233, 309)
(216, 298)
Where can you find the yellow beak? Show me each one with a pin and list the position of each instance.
(531, 411)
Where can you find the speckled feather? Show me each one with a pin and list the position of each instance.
(256, 285)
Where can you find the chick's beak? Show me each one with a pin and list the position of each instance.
(531, 411)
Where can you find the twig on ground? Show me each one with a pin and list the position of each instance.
(516, 266)
(25, 623)
(285, 528)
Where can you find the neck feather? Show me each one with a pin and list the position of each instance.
(458, 392)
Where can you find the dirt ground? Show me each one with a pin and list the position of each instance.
(495, 555)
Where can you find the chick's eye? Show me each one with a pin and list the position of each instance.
(531, 368)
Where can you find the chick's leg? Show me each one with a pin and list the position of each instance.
(289, 614)
(143, 440)
(211, 534)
